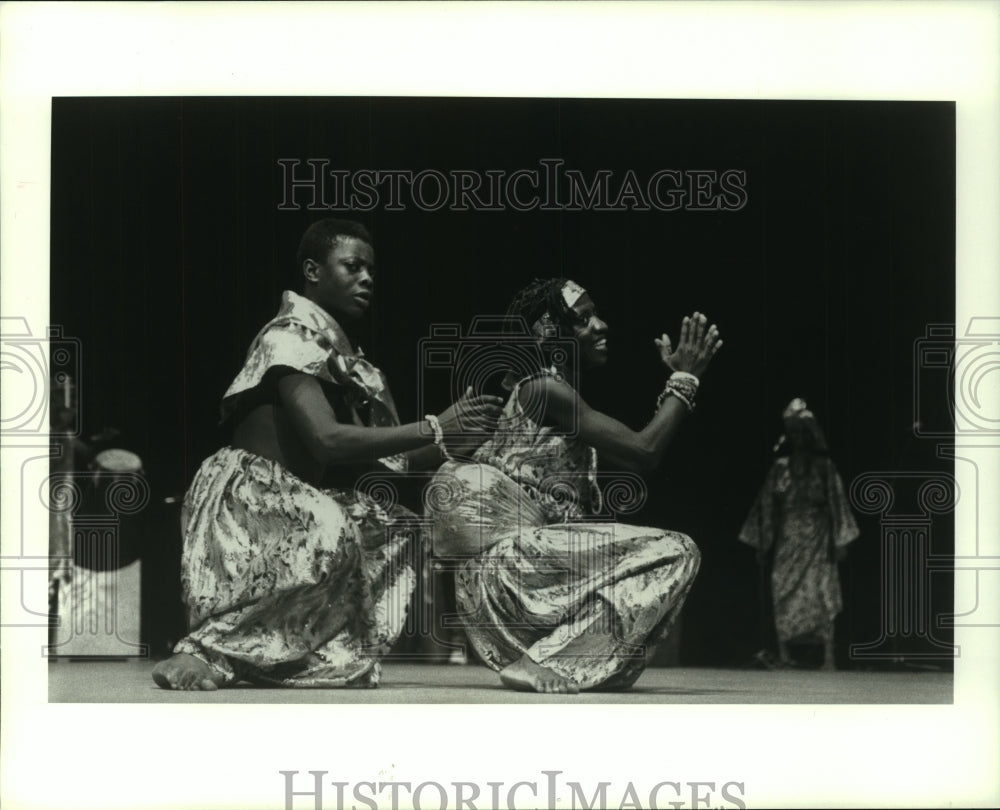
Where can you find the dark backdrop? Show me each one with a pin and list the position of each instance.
(169, 252)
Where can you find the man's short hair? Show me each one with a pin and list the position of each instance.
(321, 236)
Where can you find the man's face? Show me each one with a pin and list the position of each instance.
(345, 281)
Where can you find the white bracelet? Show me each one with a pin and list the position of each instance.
(684, 375)
(438, 435)
(688, 403)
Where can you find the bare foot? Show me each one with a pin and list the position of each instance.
(185, 672)
(527, 676)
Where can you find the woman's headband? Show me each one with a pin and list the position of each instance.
(545, 326)
(797, 409)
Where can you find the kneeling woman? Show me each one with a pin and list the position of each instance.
(551, 597)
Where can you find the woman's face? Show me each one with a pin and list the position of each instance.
(590, 331)
(796, 431)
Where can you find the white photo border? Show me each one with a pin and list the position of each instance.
(180, 756)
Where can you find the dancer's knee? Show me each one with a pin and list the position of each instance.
(688, 553)
(695, 555)
(331, 526)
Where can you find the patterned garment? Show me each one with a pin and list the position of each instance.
(558, 472)
(304, 337)
(585, 597)
(284, 583)
(287, 584)
(802, 517)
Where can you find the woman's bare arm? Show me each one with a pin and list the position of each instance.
(639, 451)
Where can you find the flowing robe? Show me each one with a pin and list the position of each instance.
(286, 583)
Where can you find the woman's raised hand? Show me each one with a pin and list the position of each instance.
(696, 347)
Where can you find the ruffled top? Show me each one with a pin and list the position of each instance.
(305, 338)
(557, 471)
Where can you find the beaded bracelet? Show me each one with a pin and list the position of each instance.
(687, 402)
(435, 426)
(670, 392)
(681, 376)
(682, 385)
(686, 383)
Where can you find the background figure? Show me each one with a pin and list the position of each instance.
(800, 525)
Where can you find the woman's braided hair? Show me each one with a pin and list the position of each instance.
(540, 296)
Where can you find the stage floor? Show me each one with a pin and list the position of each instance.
(131, 682)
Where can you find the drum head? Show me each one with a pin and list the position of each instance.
(116, 460)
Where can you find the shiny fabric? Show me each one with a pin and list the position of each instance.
(304, 337)
(800, 518)
(584, 596)
(286, 584)
(557, 471)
